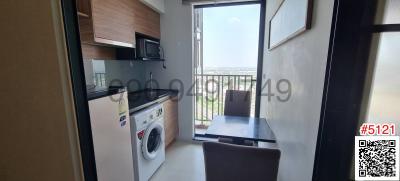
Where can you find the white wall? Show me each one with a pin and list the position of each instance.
(176, 39)
(302, 61)
(157, 5)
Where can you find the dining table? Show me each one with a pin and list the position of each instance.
(240, 128)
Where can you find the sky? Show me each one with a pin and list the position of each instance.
(230, 36)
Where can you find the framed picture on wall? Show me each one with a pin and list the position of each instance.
(290, 19)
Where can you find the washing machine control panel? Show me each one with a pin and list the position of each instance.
(159, 112)
(155, 114)
(144, 118)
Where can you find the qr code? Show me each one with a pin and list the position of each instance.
(377, 158)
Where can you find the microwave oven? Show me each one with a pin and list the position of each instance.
(147, 49)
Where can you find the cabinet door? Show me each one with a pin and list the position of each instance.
(113, 22)
(147, 21)
(170, 120)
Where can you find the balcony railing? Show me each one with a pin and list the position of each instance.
(210, 94)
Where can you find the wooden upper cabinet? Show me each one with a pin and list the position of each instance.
(110, 22)
(147, 21)
(114, 22)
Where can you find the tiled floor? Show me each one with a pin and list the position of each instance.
(184, 161)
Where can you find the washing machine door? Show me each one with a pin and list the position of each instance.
(152, 140)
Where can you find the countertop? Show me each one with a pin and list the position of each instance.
(137, 100)
(98, 92)
(144, 98)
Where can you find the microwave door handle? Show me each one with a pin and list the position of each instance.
(150, 41)
(162, 57)
(161, 52)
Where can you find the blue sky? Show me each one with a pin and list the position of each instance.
(230, 36)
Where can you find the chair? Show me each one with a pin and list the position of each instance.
(237, 103)
(236, 163)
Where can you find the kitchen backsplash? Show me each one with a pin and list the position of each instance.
(103, 73)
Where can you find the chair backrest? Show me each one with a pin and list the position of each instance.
(235, 162)
(237, 103)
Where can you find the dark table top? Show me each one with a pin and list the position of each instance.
(246, 128)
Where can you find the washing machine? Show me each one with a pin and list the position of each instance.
(148, 142)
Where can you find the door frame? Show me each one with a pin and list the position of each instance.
(74, 51)
(342, 95)
(346, 72)
(260, 53)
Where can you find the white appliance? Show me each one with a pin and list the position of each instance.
(148, 142)
(112, 137)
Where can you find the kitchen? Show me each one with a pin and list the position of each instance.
(121, 49)
(144, 81)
